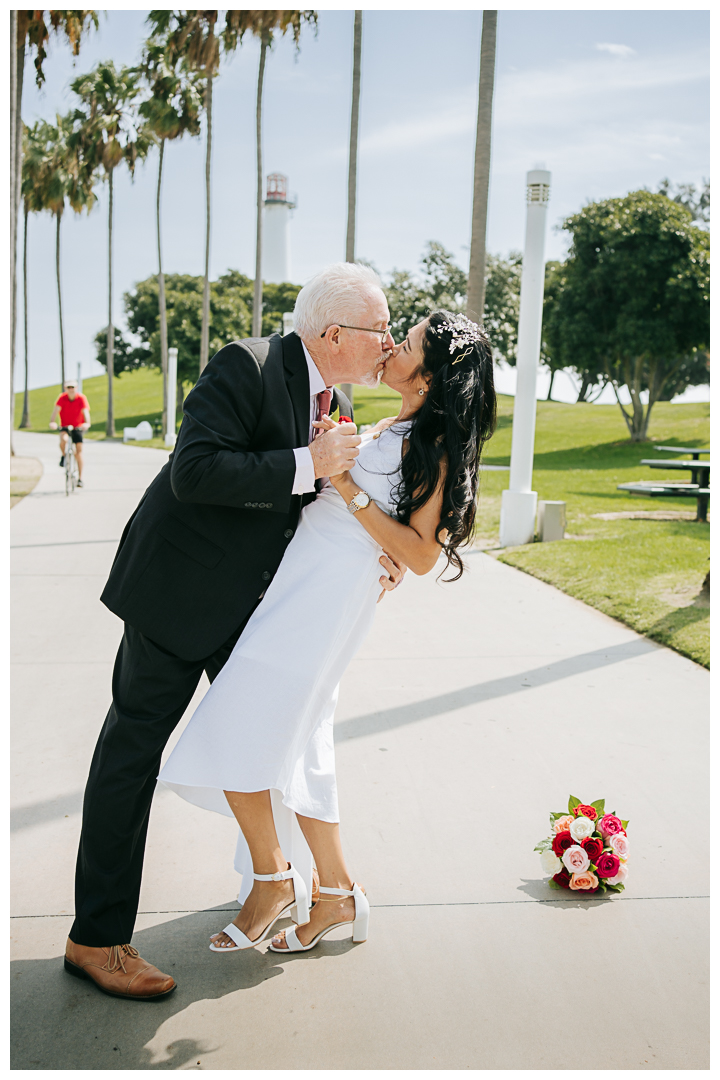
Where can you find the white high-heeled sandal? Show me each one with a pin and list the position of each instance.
(298, 909)
(359, 924)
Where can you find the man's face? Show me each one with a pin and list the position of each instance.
(362, 353)
(71, 390)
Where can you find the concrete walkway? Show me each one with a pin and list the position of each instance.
(472, 711)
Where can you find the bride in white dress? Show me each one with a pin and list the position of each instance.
(260, 744)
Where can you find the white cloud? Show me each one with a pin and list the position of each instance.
(616, 50)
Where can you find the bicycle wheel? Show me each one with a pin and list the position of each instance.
(70, 471)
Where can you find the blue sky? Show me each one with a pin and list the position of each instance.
(609, 101)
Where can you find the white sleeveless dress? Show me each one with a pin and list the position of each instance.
(267, 720)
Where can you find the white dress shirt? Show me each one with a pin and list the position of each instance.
(304, 467)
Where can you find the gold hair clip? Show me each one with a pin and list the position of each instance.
(466, 353)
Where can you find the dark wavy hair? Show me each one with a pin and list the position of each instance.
(449, 429)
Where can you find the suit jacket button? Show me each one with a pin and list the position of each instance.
(247, 504)
(288, 533)
(266, 575)
(261, 506)
(269, 506)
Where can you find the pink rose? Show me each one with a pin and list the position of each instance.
(609, 825)
(607, 865)
(562, 823)
(585, 881)
(619, 844)
(620, 878)
(576, 859)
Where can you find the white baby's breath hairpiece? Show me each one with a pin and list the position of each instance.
(465, 334)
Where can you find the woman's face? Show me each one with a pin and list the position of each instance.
(405, 359)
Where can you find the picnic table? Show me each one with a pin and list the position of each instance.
(698, 487)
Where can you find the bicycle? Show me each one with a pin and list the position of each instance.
(71, 466)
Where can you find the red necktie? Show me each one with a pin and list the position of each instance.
(323, 406)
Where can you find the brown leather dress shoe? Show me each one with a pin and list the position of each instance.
(118, 970)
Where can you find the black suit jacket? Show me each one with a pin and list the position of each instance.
(210, 531)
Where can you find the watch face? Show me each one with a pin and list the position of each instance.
(362, 499)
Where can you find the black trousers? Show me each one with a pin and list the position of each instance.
(151, 690)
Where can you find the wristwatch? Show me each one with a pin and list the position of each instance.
(359, 502)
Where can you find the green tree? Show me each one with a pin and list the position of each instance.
(696, 200)
(636, 295)
(443, 284)
(172, 110)
(231, 298)
(108, 133)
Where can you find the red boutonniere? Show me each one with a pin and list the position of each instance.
(345, 420)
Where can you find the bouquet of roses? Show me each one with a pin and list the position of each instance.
(587, 850)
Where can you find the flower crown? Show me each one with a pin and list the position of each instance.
(465, 334)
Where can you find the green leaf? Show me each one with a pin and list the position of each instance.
(572, 803)
(553, 884)
(599, 805)
(623, 823)
(555, 815)
(543, 846)
(616, 888)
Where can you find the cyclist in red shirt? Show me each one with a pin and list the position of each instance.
(74, 411)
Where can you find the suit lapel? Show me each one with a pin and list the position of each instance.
(298, 384)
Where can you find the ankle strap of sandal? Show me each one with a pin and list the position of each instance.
(281, 875)
(335, 892)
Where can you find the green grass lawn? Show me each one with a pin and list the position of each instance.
(646, 573)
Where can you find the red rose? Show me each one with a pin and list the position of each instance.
(561, 842)
(593, 845)
(562, 879)
(607, 865)
(349, 420)
(586, 811)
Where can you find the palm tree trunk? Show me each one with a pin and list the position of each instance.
(347, 388)
(110, 348)
(476, 274)
(205, 332)
(60, 312)
(161, 298)
(25, 421)
(258, 291)
(16, 72)
(354, 123)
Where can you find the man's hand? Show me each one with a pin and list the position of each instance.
(335, 449)
(395, 574)
(52, 425)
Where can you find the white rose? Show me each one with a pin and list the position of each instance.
(581, 828)
(550, 862)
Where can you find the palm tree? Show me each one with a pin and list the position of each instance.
(172, 111)
(347, 388)
(354, 123)
(107, 133)
(190, 39)
(476, 273)
(31, 29)
(264, 26)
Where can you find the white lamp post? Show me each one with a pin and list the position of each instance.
(171, 402)
(519, 502)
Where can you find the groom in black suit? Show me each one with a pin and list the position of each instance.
(193, 563)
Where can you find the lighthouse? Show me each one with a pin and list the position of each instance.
(276, 240)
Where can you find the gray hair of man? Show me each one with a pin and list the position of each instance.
(339, 293)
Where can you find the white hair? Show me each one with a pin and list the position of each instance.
(339, 293)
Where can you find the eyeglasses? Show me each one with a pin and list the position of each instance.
(384, 334)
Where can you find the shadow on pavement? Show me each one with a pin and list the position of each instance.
(373, 723)
(540, 890)
(59, 1022)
